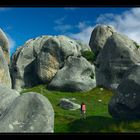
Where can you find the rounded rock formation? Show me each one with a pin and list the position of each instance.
(76, 75)
(125, 104)
(118, 55)
(40, 59)
(4, 44)
(30, 112)
(99, 36)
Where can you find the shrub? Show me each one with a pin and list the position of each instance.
(137, 45)
(89, 55)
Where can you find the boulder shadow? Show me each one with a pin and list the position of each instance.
(92, 124)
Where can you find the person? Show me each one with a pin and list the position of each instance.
(83, 110)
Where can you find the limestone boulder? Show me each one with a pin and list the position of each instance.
(30, 112)
(68, 104)
(7, 96)
(118, 55)
(39, 59)
(23, 69)
(5, 78)
(4, 44)
(54, 53)
(125, 104)
(76, 75)
(99, 36)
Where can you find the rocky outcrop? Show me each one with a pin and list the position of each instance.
(4, 44)
(39, 60)
(54, 53)
(76, 75)
(5, 78)
(68, 104)
(23, 70)
(99, 36)
(125, 104)
(118, 55)
(30, 112)
(7, 96)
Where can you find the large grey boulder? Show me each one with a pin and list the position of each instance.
(39, 59)
(23, 63)
(99, 36)
(30, 112)
(5, 78)
(118, 55)
(125, 104)
(76, 75)
(53, 54)
(7, 96)
(4, 44)
(68, 104)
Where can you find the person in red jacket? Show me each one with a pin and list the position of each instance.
(83, 110)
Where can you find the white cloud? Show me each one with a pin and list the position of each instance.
(61, 26)
(60, 20)
(83, 35)
(127, 23)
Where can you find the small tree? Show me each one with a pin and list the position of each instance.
(89, 55)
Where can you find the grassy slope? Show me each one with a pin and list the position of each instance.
(98, 118)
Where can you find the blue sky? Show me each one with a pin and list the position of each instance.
(21, 24)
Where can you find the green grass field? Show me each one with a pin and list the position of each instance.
(97, 116)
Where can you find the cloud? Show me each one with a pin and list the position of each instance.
(61, 26)
(60, 20)
(83, 35)
(127, 23)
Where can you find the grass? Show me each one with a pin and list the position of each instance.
(97, 116)
(89, 55)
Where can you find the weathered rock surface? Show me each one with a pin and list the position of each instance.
(5, 78)
(23, 70)
(99, 36)
(68, 104)
(39, 60)
(7, 96)
(53, 54)
(30, 112)
(4, 44)
(125, 104)
(76, 75)
(118, 55)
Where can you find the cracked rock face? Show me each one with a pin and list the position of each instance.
(118, 55)
(29, 112)
(125, 104)
(5, 78)
(40, 60)
(4, 44)
(76, 75)
(99, 36)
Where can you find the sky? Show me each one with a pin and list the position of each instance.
(22, 24)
